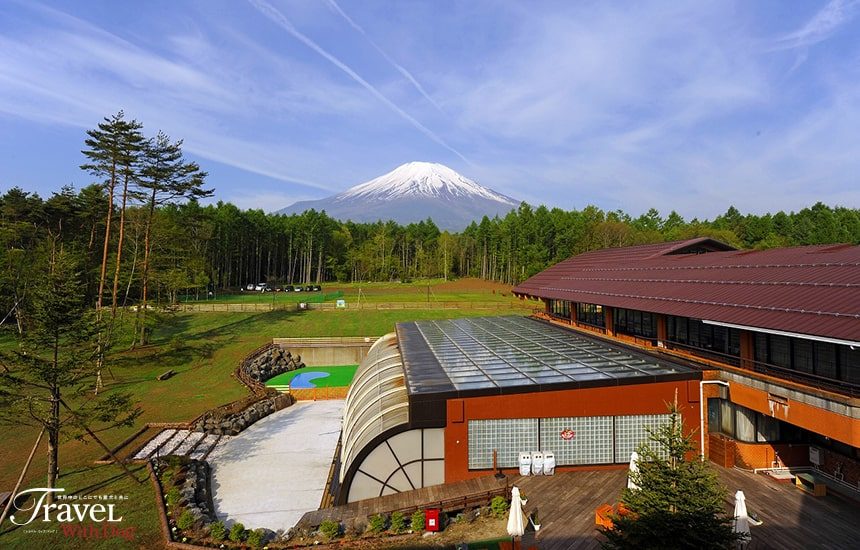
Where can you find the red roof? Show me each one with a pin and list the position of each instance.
(807, 289)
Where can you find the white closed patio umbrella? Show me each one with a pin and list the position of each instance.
(741, 523)
(516, 519)
(634, 467)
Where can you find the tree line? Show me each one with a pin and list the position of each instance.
(140, 234)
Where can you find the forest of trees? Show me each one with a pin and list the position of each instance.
(140, 233)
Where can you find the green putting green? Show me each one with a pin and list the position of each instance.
(335, 376)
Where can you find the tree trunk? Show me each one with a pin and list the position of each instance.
(107, 237)
(147, 247)
(119, 248)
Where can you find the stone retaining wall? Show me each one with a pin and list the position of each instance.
(234, 424)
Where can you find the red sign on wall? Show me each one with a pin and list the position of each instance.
(567, 434)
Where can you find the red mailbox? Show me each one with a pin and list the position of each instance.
(431, 519)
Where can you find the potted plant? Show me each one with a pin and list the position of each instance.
(523, 498)
(535, 520)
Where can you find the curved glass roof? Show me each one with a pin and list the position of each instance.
(481, 353)
(377, 399)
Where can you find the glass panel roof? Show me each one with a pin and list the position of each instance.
(495, 352)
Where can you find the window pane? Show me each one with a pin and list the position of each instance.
(761, 347)
(802, 355)
(825, 359)
(780, 351)
(768, 429)
(714, 415)
(507, 437)
(727, 418)
(849, 361)
(745, 419)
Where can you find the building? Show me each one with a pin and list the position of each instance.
(769, 340)
(442, 401)
(776, 333)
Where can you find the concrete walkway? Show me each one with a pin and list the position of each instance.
(275, 471)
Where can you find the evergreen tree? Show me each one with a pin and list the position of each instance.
(679, 503)
(42, 383)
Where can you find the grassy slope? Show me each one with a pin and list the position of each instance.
(203, 349)
(339, 376)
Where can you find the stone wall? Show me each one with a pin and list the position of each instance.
(196, 492)
(273, 361)
(233, 424)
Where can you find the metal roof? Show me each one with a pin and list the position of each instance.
(812, 290)
(500, 354)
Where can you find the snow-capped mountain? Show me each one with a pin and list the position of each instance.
(414, 192)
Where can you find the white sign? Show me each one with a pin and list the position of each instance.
(341, 303)
(815, 456)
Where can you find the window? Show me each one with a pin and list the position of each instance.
(849, 362)
(635, 323)
(727, 417)
(768, 429)
(802, 352)
(761, 347)
(780, 351)
(590, 314)
(825, 359)
(713, 415)
(560, 308)
(745, 424)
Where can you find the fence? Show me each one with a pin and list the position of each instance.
(262, 307)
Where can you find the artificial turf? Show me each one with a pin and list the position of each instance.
(339, 376)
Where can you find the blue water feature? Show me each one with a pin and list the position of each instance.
(303, 381)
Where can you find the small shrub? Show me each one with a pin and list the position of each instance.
(256, 538)
(499, 507)
(186, 520)
(376, 524)
(417, 522)
(329, 529)
(238, 533)
(218, 531)
(167, 478)
(173, 496)
(398, 522)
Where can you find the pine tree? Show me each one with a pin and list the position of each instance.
(43, 382)
(679, 504)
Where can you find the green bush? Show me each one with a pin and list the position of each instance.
(167, 478)
(217, 531)
(256, 538)
(398, 522)
(376, 524)
(329, 529)
(238, 533)
(186, 520)
(499, 507)
(417, 522)
(173, 496)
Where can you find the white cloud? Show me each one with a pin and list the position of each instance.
(821, 26)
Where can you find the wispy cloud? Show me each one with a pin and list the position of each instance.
(400, 68)
(821, 26)
(277, 17)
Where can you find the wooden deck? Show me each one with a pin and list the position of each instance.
(567, 501)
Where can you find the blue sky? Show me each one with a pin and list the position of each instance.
(691, 106)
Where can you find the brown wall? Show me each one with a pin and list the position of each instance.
(610, 401)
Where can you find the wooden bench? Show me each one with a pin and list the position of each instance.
(165, 375)
(808, 483)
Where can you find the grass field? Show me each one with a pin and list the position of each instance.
(203, 349)
(339, 376)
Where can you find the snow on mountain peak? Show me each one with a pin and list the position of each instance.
(421, 179)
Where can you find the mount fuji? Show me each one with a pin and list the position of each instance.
(413, 192)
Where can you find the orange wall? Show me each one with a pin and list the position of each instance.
(821, 421)
(609, 401)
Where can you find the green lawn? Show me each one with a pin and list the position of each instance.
(433, 290)
(203, 349)
(339, 376)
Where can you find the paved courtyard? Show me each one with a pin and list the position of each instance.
(276, 470)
